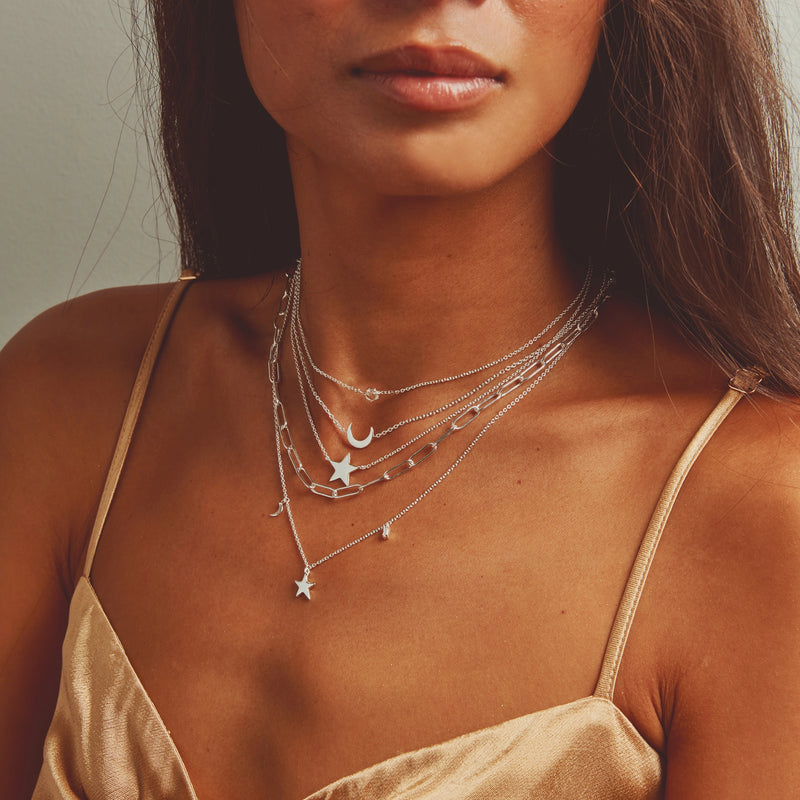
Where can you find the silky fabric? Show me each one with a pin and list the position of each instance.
(107, 740)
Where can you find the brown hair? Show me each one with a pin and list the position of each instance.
(223, 157)
(675, 167)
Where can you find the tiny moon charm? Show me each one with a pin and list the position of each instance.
(279, 510)
(360, 444)
(372, 395)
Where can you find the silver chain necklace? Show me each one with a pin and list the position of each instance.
(373, 394)
(303, 586)
(302, 360)
(345, 466)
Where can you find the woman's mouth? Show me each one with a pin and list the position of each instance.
(431, 79)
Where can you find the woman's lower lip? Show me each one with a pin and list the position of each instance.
(432, 92)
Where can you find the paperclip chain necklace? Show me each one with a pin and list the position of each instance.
(303, 586)
(302, 358)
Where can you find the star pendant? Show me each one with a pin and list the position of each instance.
(304, 587)
(342, 470)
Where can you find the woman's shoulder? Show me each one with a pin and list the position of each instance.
(65, 381)
(714, 657)
(82, 335)
(751, 475)
(79, 351)
(729, 596)
(74, 359)
(747, 505)
(732, 540)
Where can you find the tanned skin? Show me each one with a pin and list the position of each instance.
(427, 250)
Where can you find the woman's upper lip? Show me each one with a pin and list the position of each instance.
(451, 62)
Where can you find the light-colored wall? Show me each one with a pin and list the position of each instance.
(76, 202)
(75, 196)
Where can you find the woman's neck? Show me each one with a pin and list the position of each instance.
(401, 289)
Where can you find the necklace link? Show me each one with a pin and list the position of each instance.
(423, 454)
(372, 394)
(465, 418)
(301, 355)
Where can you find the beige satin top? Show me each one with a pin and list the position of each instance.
(107, 740)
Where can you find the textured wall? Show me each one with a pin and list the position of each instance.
(76, 201)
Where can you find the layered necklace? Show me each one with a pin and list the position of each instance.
(501, 384)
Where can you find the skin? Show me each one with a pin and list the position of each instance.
(502, 585)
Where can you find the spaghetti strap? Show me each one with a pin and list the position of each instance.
(743, 382)
(132, 414)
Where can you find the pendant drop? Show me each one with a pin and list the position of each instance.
(304, 587)
(372, 395)
(359, 444)
(385, 530)
(278, 511)
(342, 470)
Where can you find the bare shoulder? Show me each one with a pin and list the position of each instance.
(81, 331)
(711, 673)
(747, 504)
(731, 604)
(745, 495)
(64, 379)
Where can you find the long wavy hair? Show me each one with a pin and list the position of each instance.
(675, 167)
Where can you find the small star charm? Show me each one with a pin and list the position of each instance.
(385, 531)
(304, 587)
(342, 470)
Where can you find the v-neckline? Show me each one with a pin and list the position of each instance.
(515, 722)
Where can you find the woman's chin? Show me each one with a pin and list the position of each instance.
(430, 183)
(428, 172)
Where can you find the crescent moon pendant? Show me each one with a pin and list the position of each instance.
(279, 511)
(360, 444)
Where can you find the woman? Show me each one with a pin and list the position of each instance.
(466, 177)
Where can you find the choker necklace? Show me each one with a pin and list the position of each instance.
(522, 383)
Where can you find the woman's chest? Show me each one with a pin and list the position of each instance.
(493, 599)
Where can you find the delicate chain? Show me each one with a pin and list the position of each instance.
(294, 323)
(427, 450)
(583, 325)
(302, 372)
(391, 453)
(374, 394)
(309, 565)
